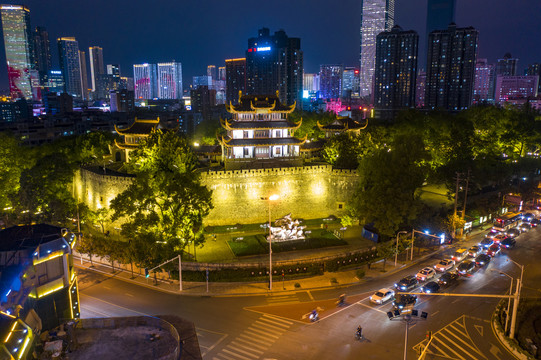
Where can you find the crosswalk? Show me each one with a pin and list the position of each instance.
(252, 343)
(282, 299)
(452, 342)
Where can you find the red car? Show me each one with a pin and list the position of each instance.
(493, 250)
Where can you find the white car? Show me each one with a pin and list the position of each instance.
(382, 296)
(445, 265)
(426, 274)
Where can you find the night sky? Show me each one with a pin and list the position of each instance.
(202, 32)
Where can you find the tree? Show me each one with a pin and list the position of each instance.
(164, 207)
(13, 162)
(386, 250)
(92, 146)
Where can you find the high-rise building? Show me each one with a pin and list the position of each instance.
(68, 52)
(84, 75)
(113, 70)
(420, 89)
(55, 81)
(144, 79)
(221, 73)
(18, 45)
(235, 79)
(508, 66)
(483, 88)
(96, 65)
(203, 80)
(450, 73)
(516, 87)
(275, 63)
(42, 52)
(202, 100)
(170, 80)
(376, 16)
(311, 82)
(534, 69)
(440, 13)
(211, 71)
(350, 82)
(396, 71)
(330, 81)
(122, 101)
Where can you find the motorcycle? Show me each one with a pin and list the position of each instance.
(359, 334)
(314, 316)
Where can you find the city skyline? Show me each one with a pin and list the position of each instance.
(325, 39)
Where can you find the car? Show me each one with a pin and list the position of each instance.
(525, 226)
(493, 250)
(512, 233)
(426, 274)
(404, 300)
(499, 238)
(534, 222)
(382, 296)
(508, 243)
(486, 243)
(528, 216)
(460, 254)
(444, 265)
(448, 279)
(430, 287)
(466, 268)
(492, 233)
(474, 251)
(407, 283)
(482, 260)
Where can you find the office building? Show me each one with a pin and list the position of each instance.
(311, 82)
(55, 81)
(440, 13)
(376, 16)
(275, 63)
(203, 80)
(219, 86)
(350, 82)
(516, 87)
(235, 79)
(211, 71)
(169, 80)
(95, 54)
(330, 81)
(113, 70)
(202, 100)
(507, 66)
(534, 69)
(221, 73)
(126, 83)
(56, 104)
(68, 52)
(18, 46)
(42, 53)
(483, 88)
(396, 71)
(122, 101)
(144, 79)
(450, 73)
(84, 75)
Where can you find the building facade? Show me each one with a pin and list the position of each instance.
(221, 73)
(95, 54)
(68, 52)
(350, 82)
(376, 16)
(516, 87)
(420, 90)
(169, 80)
(18, 46)
(450, 73)
(275, 63)
(396, 71)
(203, 80)
(144, 80)
(483, 88)
(42, 53)
(534, 69)
(85, 91)
(507, 66)
(235, 79)
(211, 71)
(330, 81)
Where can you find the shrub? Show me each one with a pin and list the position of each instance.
(334, 281)
(297, 285)
(360, 273)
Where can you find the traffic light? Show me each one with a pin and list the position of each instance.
(429, 335)
(147, 273)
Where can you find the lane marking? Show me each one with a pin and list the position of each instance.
(237, 355)
(371, 308)
(310, 295)
(273, 327)
(107, 302)
(259, 339)
(435, 312)
(479, 329)
(106, 287)
(465, 343)
(246, 347)
(252, 344)
(268, 317)
(262, 332)
(452, 325)
(128, 294)
(455, 344)
(264, 328)
(248, 353)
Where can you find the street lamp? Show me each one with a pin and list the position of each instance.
(396, 252)
(272, 197)
(517, 300)
(508, 300)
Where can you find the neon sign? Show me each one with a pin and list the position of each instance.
(264, 48)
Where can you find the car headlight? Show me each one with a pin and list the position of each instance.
(428, 291)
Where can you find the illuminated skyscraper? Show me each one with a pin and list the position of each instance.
(508, 66)
(144, 78)
(534, 69)
(96, 65)
(235, 79)
(113, 71)
(483, 88)
(68, 52)
(84, 75)
(330, 81)
(42, 51)
(350, 82)
(275, 63)
(221, 73)
(170, 80)
(310, 82)
(18, 45)
(211, 71)
(376, 16)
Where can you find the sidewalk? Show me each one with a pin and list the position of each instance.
(326, 281)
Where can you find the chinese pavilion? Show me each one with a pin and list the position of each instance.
(259, 130)
(132, 136)
(342, 125)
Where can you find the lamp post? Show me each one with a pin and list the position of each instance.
(517, 300)
(396, 252)
(508, 300)
(272, 197)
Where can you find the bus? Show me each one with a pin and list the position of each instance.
(507, 221)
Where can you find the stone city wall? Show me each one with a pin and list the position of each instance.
(307, 192)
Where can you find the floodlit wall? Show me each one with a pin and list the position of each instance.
(307, 192)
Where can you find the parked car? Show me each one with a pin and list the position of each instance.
(474, 251)
(404, 300)
(382, 296)
(525, 226)
(492, 233)
(508, 243)
(448, 279)
(493, 250)
(482, 260)
(407, 283)
(426, 274)
(445, 265)
(513, 233)
(466, 268)
(486, 243)
(460, 254)
(430, 287)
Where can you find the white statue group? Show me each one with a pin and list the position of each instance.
(287, 229)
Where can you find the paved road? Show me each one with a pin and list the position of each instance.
(273, 327)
